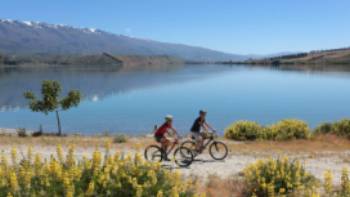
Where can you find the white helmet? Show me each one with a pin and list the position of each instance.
(169, 117)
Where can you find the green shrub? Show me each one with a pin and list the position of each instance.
(120, 138)
(290, 129)
(244, 130)
(21, 132)
(324, 128)
(279, 177)
(340, 128)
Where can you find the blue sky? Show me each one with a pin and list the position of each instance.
(235, 26)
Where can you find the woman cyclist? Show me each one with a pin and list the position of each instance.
(164, 133)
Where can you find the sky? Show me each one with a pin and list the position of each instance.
(234, 26)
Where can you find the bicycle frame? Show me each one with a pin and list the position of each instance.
(173, 146)
(205, 144)
(207, 141)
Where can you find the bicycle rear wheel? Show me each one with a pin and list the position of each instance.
(189, 144)
(183, 156)
(218, 150)
(153, 153)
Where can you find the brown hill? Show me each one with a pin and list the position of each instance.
(323, 57)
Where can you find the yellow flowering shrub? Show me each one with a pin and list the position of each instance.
(340, 128)
(244, 130)
(102, 175)
(290, 129)
(278, 178)
(336, 191)
(328, 182)
(282, 130)
(345, 184)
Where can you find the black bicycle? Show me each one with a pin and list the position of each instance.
(182, 156)
(217, 150)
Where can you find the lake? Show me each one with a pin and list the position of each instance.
(133, 101)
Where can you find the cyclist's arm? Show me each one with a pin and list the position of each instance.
(175, 132)
(209, 126)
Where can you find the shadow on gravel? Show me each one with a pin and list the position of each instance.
(207, 160)
(173, 167)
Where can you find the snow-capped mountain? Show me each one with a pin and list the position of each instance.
(28, 37)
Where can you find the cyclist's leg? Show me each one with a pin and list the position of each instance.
(198, 140)
(160, 140)
(173, 143)
(164, 145)
(200, 144)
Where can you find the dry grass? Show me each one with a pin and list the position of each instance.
(79, 141)
(325, 143)
(229, 187)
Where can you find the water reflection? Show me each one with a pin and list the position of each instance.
(95, 84)
(134, 100)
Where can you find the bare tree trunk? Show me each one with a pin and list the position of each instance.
(58, 123)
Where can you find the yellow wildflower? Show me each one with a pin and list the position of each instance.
(13, 182)
(160, 193)
(14, 155)
(96, 159)
(174, 192)
(91, 189)
(328, 182)
(59, 153)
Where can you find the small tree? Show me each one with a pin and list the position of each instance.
(50, 102)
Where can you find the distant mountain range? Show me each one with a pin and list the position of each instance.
(33, 38)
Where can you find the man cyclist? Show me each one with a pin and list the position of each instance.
(164, 133)
(198, 126)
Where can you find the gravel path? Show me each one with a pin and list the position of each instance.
(234, 164)
(204, 165)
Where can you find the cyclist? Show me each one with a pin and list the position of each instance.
(164, 133)
(199, 125)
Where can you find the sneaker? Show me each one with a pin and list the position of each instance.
(166, 159)
(199, 151)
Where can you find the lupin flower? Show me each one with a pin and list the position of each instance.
(14, 156)
(96, 159)
(59, 153)
(91, 189)
(13, 182)
(160, 193)
(328, 182)
(87, 177)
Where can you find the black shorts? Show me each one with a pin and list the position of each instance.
(158, 138)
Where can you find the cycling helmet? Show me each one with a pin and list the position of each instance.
(169, 117)
(202, 111)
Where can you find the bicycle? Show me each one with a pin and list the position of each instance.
(217, 149)
(182, 156)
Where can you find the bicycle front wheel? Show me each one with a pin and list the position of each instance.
(218, 150)
(183, 156)
(153, 153)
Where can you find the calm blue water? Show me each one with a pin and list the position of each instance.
(133, 101)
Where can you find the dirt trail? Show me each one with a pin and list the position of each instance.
(234, 164)
(204, 165)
